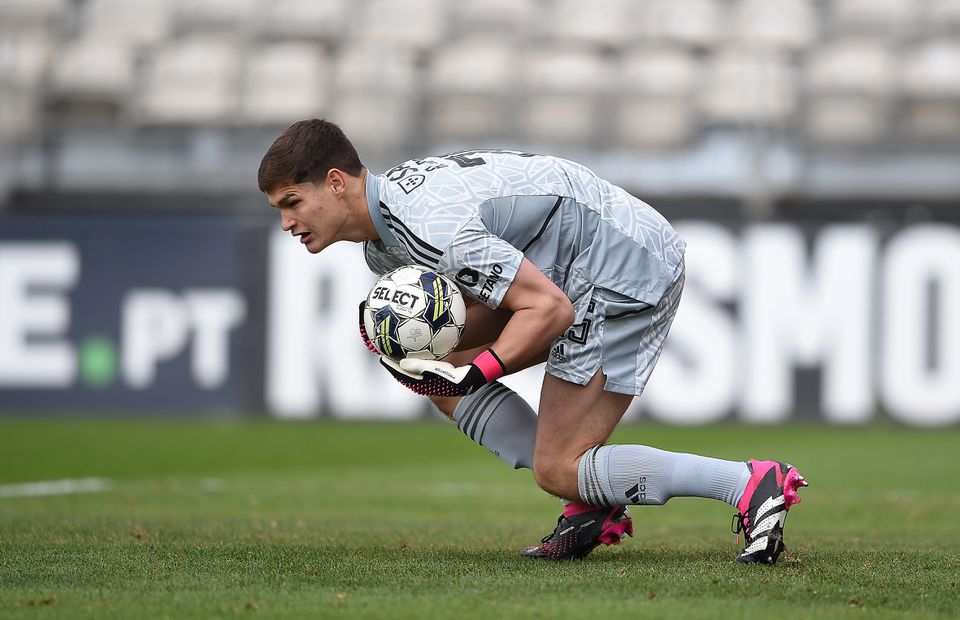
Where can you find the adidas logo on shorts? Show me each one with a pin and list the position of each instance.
(558, 353)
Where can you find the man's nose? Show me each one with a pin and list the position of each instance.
(286, 222)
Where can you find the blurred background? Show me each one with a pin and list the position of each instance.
(808, 150)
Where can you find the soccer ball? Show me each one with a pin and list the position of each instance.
(414, 312)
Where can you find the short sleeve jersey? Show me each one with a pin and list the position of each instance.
(474, 215)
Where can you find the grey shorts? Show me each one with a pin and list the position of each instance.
(621, 335)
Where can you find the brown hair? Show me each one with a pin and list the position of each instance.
(306, 151)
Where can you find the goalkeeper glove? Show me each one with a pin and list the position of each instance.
(363, 331)
(435, 378)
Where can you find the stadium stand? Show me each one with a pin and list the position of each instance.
(281, 81)
(307, 20)
(640, 78)
(93, 72)
(599, 23)
(418, 24)
(476, 104)
(743, 85)
(562, 95)
(376, 87)
(942, 17)
(133, 24)
(658, 86)
(785, 24)
(694, 23)
(22, 62)
(191, 81)
(894, 19)
(214, 17)
(930, 80)
(849, 84)
(507, 18)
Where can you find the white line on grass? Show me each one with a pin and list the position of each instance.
(55, 487)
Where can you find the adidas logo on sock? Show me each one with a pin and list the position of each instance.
(638, 492)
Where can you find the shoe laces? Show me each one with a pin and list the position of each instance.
(550, 536)
(739, 524)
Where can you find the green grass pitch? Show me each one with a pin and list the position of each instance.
(328, 520)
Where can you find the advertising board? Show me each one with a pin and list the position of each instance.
(845, 320)
(841, 321)
(120, 313)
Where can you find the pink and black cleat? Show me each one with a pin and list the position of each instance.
(771, 492)
(580, 529)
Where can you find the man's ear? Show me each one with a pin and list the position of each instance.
(336, 180)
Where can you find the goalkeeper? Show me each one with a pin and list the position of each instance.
(562, 267)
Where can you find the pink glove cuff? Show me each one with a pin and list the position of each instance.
(490, 365)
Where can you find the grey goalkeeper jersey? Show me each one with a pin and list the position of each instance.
(474, 215)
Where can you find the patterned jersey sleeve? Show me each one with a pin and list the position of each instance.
(379, 259)
(481, 263)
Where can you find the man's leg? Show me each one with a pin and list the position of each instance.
(573, 416)
(494, 416)
(571, 461)
(573, 419)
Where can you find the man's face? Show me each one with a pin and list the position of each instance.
(311, 211)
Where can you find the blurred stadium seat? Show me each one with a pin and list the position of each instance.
(853, 66)
(746, 86)
(932, 122)
(499, 17)
(283, 81)
(932, 70)
(785, 24)
(93, 70)
(688, 22)
(655, 123)
(890, 18)
(849, 92)
(367, 66)
(472, 105)
(191, 82)
(930, 79)
(18, 116)
(147, 22)
(375, 88)
(35, 12)
(657, 86)
(600, 23)
(660, 71)
(232, 17)
(302, 19)
(26, 50)
(419, 24)
(838, 119)
(562, 93)
(942, 17)
(24, 57)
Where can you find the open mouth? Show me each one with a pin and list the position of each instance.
(305, 237)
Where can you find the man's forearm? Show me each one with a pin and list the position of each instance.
(529, 332)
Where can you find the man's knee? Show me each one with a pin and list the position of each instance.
(556, 476)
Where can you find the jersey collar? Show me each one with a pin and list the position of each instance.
(373, 206)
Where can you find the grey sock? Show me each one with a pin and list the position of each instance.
(611, 475)
(500, 420)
